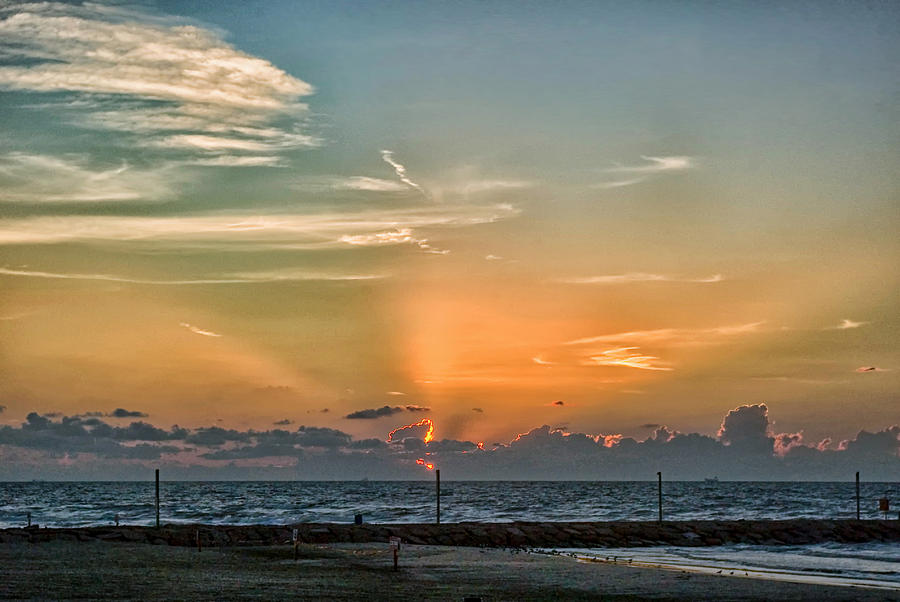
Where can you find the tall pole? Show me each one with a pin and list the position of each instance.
(659, 491)
(157, 498)
(857, 495)
(437, 487)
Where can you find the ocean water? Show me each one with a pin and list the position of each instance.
(70, 504)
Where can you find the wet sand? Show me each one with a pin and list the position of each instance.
(98, 570)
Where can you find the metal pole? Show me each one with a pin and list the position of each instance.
(659, 491)
(857, 495)
(157, 498)
(437, 486)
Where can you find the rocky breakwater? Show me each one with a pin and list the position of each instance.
(516, 534)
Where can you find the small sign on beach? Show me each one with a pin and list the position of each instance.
(395, 548)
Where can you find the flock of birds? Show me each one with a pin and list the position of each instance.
(610, 559)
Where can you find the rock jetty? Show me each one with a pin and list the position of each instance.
(515, 534)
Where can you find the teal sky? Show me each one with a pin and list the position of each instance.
(235, 213)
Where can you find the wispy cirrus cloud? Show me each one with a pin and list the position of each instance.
(627, 357)
(846, 325)
(322, 230)
(400, 170)
(628, 349)
(653, 166)
(283, 275)
(480, 186)
(656, 165)
(673, 336)
(392, 237)
(367, 184)
(32, 178)
(637, 277)
(178, 85)
(200, 331)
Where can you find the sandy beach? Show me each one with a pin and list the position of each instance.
(362, 571)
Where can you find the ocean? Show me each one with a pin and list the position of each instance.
(73, 504)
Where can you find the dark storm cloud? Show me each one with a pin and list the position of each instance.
(747, 428)
(284, 422)
(314, 436)
(123, 413)
(744, 449)
(369, 444)
(214, 436)
(373, 413)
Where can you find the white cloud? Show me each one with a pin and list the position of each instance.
(286, 275)
(33, 178)
(618, 183)
(847, 324)
(195, 330)
(272, 231)
(625, 348)
(673, 336)
(237, 161)
(149, 74)
(656, 165)
(368, 184)
(478, 186)
(400, 170)
(392, 237)
(637, 277)
(626, 357)
(653, 167)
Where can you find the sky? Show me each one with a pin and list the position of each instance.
(251, 239)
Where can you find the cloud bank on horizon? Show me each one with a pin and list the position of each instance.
(745, 448)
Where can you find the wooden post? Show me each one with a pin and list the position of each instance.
(437, 486)
(395, 548)
(29, 519)
(295, 536)
(659, 491)
(857, 495)
(157, 498)
(199, 547)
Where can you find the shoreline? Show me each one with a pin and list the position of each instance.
(346, 571)
(740, 571)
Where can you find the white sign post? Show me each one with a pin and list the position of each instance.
(395, 548)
